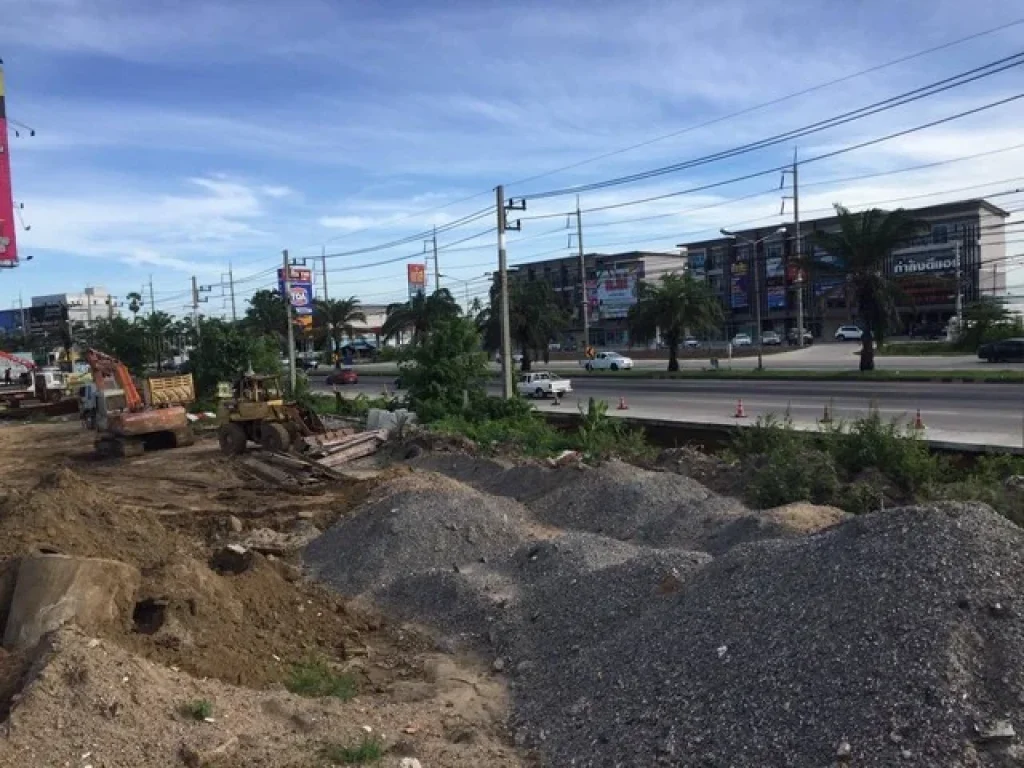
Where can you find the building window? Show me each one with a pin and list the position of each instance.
(940, 234)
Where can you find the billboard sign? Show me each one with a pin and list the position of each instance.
(417, 274)
(776, 297)
(929, 260)
(828, 286)
(738, 290)
(616, 293)
(773, 267)
(8, 234)
(301, 280)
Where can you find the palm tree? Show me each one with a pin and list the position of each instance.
(674, 305)
(535, 317)
(420, 314)
(336, 318)
(860, 247)
(134, 304)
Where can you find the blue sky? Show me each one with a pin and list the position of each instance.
(176, 137)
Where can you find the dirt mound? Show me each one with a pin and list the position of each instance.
(67, 513)
(92, 703)
(890, 639)
(413, 525)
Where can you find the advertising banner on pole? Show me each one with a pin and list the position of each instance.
(8, 232)
(616, 293)
(776, 297)
(417, 280)
(302, 289)
(738, 286)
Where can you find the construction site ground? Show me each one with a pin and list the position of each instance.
(119, 697)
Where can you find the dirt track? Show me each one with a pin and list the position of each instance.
(165, 513)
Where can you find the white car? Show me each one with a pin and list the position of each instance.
(742, 340)
(541, 384)
(608, 361)
(849, 333)
(691, 343)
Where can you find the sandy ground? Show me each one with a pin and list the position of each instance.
(230, 639)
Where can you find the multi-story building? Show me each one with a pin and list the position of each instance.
(82, 308)
(611, 282)
(963, 253)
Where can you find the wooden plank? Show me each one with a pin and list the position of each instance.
(358, 451)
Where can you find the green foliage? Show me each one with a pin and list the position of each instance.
(266, 315)
(861, 246)
(389, 354)
(265, 355)
(871, 443)
(528, 435)
(221, 354)
(672, 306)
(535, 317)
(420, 315)
(601, 437)
(793, 471)
(121, 338)
(986, 319)
(370, 749)
(316, 679)
(198, 709)
(448, 368)
(334, 319)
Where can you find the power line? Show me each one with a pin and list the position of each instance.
(892, 102)
(773, 102)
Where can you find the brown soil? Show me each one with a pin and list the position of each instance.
(166, 512)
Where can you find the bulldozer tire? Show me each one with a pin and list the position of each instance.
(232, 439)
(275, 437)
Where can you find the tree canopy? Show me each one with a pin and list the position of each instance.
(535, 317)
(672, 306)
(420, 315)
(334, 319)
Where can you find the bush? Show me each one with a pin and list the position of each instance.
(791, 471)
(198, 709)
(448, 370)
(529, 435)
(601, 437)
(316, 679)
(886, 446)
(370, 749)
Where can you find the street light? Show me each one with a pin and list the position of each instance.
(757, 283)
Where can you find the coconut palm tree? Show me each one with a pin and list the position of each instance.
(860, 248)
(535, 317)
(159, 330)
(672, 306)
(134, 304)
(334, 319)
(419, 314)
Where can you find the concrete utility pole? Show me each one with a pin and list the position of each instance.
(195, 305)
(437, 270)
(152, 303)
(583, 276)
(288, 316)
(323, 265)
(506, 333)
(796, 249)
(959, 289)
(231, 290)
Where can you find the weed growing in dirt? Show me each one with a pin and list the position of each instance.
(316, 679)
(871, 443)
(197, 709)
(600, 436)
(368, 750)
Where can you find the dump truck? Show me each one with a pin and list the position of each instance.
(127, 425)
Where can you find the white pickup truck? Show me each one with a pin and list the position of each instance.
(608, 361)
(543, 384)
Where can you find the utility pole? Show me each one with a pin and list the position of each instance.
(796, 246)
(24, 328)
(152, 304)
(288, 315)
(323, 264)
(437, 270)
(959, 290)
(757, 304)
(110, 307)
(195, 305)
(506, 334)
(231, 288)
(583, 276)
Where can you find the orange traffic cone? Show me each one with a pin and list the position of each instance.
(622, 404)
(918, 421)
(739, 410)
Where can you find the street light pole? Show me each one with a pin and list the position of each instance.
(757, 284)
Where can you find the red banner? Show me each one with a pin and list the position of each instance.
(8, 234)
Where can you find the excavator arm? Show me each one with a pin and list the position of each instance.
(110, 373)
(28, 365)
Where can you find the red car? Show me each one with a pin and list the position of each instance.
(342, 376)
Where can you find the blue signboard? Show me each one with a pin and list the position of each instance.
(301, 287)
(776, 297)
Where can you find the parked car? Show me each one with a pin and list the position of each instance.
(342, 376)
(998, 351)
(930, 331)
(541, 384)
(771, 339)
(608, 361)
(690, 343)
(793, 340)
(849, 333)
(742, 340)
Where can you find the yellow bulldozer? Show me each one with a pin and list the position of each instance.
(255, 411)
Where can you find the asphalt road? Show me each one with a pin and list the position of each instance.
(988, 414)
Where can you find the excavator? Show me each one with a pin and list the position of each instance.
(126, 425)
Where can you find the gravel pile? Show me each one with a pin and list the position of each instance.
(890, 640)
(414, 525)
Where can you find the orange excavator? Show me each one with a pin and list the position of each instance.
(125, 424)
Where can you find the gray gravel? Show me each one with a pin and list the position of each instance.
(415, 524)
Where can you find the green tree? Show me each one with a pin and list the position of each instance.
(158, 328)
(448, 368)
(535, 317)
(334, 319)
(420, 315)
(861, 247)
(672, 306)
(134, 304)
(266, 315)
(221, 354)
(983, 319)
(120, 338)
